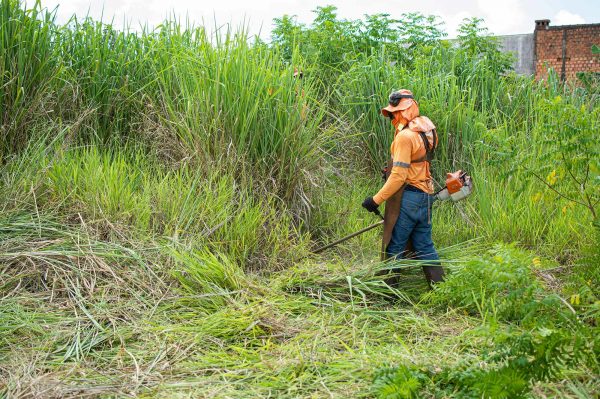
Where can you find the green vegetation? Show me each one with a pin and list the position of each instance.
(160, 192)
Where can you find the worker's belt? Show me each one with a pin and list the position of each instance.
(408, 187)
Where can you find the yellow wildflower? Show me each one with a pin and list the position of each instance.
(536, 197)
(536, 261)
(551, 178)
(575, 299)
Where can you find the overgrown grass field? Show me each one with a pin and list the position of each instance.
(161, 192)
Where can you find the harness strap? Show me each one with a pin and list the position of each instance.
(429, 149)
(425, 142)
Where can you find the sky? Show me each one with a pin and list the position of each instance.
(502, 17)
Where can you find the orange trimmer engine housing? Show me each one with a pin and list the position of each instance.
(458, 186)
(454, 182)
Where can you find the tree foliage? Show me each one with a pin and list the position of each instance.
(334, 43)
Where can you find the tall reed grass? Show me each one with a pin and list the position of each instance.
(222, 101)
(228, 112)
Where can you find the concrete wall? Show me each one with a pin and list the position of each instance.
(522, 46)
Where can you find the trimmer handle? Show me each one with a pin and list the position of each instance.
(378, 213)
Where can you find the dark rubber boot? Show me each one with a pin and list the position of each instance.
(433, 274)
(394, 280)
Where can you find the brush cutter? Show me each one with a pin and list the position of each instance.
(341, 240)
(459, 186)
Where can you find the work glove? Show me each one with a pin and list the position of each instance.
(370, 205)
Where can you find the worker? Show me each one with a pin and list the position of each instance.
(409, 186)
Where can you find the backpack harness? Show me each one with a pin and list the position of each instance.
(429, 148)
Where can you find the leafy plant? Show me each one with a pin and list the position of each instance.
(399, 382)
(500, 285)
(512, 359)
(568, 162)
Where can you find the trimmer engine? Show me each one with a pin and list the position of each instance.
(458, 186)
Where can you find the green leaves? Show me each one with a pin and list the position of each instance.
(528, 335)
(499, 285)
(399, 382)
(569, 154)
(335, 44)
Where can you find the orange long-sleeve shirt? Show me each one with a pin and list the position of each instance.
(407, 146)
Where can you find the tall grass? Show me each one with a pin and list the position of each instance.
(239, 104)
(107, 71)
(28, 68)
(222, 102)
(237, 126)
(124, 195)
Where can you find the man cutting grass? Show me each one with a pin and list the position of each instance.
(409, 186)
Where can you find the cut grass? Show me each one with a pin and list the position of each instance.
(266, 338)
(283, 346)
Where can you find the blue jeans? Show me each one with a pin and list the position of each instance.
(414, 223)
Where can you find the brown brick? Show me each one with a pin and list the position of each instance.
(579, 57)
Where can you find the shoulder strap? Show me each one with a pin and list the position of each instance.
(429, 148)
(425, 142)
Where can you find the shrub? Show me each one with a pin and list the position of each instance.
(501, 284)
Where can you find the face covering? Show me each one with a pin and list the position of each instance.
(398, 120)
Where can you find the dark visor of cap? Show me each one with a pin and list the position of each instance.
(396, 97)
